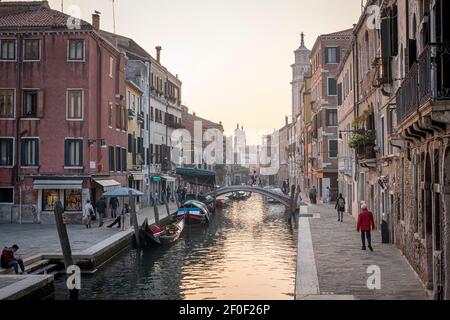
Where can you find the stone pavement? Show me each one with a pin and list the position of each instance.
(342, 265)
(38, 239)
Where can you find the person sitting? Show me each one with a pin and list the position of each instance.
(8, 260)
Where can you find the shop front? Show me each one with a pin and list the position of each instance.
(136, 181)
(71, 193)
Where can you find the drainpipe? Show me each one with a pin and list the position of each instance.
(16, 171)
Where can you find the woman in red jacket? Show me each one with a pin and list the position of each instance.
(366, 224)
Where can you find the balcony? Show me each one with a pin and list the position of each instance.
(363, 142)
(427, 82)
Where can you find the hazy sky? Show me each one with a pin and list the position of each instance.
(233, 56)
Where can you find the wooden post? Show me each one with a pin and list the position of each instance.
(292, 199)
(167, 207)
(65, 243)
(156, 212)
(134, 218)
(297, 195)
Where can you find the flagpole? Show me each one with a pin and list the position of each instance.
(114, 17)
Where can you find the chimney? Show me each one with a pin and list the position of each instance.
(96, 21)
(287, 120)
(158, 54)
(194, 114)
(115, 41)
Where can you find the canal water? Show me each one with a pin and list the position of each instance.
(247, 252)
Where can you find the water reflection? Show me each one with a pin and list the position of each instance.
(247, 252)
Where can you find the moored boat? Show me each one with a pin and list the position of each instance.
(194, 213)
(164, 235)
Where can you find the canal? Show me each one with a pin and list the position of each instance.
(247, 252)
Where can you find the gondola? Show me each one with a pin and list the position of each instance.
(163, 235)
(194, 213)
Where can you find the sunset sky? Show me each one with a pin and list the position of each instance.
(233, 56)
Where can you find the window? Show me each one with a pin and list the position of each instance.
(76, 50)
(6, 195)
(111, 66)
(32, 50)
(340, 94)
(75, 105)
(111, 159)
(118, 159)
(73, 200)
(332, 55)
(118, 117)
(6, 152)
(110, 115)
(7, 103)
(8, 49)
(332, 87)
(49, 199)
(30, 104)
(332, 120)
(333, 148)
(124, 159)
(383, 132)
(30, 152)
(152, 117)
(73, 153)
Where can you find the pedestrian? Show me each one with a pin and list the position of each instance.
(120, 220)
(313, 195)
(365, 225)
(88, 214)
(327, 195)
(114, 204)
(100, 206)
(340, 207)
(9, 260)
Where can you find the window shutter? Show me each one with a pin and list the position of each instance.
(385, 50)
(339, 94)
(326, 55)
(40, 104)
(338, 54)
(394, 30)
(81, 146)
(124, 160)
(66, 153)
(37, 160)
(23, 151)
(130, 143)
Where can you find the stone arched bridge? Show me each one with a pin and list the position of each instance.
(284, 199)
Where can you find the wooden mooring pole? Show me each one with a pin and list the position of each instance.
(65, 243)
(134, 219)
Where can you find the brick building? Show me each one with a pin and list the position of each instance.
(325, 59)
(62, 113)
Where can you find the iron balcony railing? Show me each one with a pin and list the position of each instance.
(427, 80)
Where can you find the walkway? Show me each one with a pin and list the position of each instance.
(37, 239)
(341, 266)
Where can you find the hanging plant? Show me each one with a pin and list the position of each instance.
(359, 139)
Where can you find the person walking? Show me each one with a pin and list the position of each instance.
(327, 195)
(88, 213)
(365, 225)
(100, 206)
(340, 207)
(313, 195)
(120, 220)
(114, 204)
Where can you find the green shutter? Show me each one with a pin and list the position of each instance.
(66, 153)
(23, 150)
(37, 161)
(81, 146)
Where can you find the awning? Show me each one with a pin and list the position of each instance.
(137, 176)
(169, 178)
(108, 185)
(58, 184)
